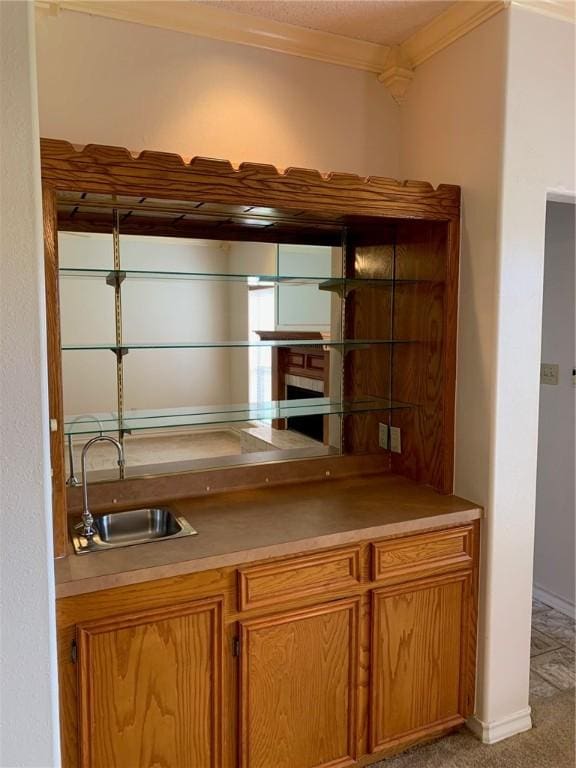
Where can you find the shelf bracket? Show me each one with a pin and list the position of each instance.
(120, 352)
(342, 289)
(124, 430)
(115, 278)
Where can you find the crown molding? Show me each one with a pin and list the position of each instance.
(448, 27)
(398, 74)
(564, 10)
(394, 65)
(231, 26)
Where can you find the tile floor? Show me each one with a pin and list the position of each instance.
(552, 667)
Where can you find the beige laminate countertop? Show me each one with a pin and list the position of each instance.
(245, 526)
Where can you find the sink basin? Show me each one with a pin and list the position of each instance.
(135, 526)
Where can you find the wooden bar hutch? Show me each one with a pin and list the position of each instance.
(338, 615)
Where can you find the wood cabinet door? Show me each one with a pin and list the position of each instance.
(423, 647)
(149, 688)
(298, 688)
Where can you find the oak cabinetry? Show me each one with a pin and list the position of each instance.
(411, 556)
(149, 688)
(269, 584)
(298, 688)
(337, 657)
(327, 659)
(419, 656)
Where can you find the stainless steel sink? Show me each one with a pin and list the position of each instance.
(136, 526)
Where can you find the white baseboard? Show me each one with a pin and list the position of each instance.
(554, 601)
(498, 730)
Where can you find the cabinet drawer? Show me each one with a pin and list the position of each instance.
(295, 360)
(315, 362)
(420, 554)
(286, 580)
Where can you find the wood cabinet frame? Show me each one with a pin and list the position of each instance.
(177, 595)
(115, 171)
(466, 580)
(86, 632)
(276, 620)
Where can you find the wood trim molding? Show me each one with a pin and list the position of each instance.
(270, 584)
(55, 398)
(394, 65)
(448, 27)
(114, 170)
(234, 27)
(398, 74)
(563, 10)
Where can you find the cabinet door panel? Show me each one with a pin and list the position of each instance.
(150, 688)
(419, 653)
(298, 688)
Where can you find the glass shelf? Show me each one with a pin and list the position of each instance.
(224, 414)
(348, 344)
(325, 282)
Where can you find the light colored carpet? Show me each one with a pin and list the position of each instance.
(550, 744)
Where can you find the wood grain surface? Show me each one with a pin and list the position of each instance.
(417, 652)
(420, 612)
(55, 400)
(406, 557)
(114, 170)
(150, 689)
(424, 372)
(270, 584)
(298, 688)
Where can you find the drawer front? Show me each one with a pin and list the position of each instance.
(315, 362)
(409, 556)
(287, 580)
(295, 360)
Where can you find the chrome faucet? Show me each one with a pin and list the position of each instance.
(72, 479)
(87, 524)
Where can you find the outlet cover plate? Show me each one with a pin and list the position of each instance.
(549, 373)
(395, 440)
(383, 435)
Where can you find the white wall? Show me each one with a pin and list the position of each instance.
(554, 567)
(538, 156)
(118, 83)
(153, 310)
(28, 673)
(244, 258)
(506, 148)
(303, 307)
(452, 127)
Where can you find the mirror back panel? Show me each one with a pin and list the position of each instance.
(240, 327)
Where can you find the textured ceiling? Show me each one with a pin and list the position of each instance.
(378, 21)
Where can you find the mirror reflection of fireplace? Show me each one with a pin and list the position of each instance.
(311, 425)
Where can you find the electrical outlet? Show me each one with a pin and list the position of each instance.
(549, 373)
(383, 435)
(395, 440)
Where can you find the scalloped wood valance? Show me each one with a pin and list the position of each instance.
(114, 170)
